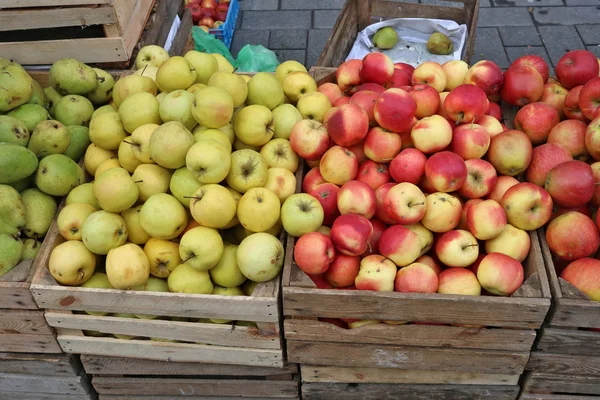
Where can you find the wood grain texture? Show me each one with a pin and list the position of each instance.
(135, 397)
(412, 335)
(12, 20)
(27, 322)
(45, 396)
(21, 343)
(544, 396)
(564, 364)
(39, 364)
(342, 36)
(316, 373)
(405, 357)
(101, 365)
(569, 341)
(49, 3)
(363, 391)
(43, 384)
(563, 384)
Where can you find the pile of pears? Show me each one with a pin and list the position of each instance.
(175, 128)
(43, 136)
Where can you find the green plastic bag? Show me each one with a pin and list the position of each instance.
(207, 43)
(256, 59)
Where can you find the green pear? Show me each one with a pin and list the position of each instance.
(115, 190)
(31, 115)
(31, 248)
(16, 87)
(5, 62)
(438, 43)
(103, 92)
(74, 110)
(99, 280)
(153, 284)
(16, 162)
(12, 211)
(225, 291)
(103, 110)
(11, 250)
(69, 76)
(83, 194)
(103, 231)
(49, 137)
(53, 97)
(107, 131)
(183, 185)
(13, 131)
(39, 212)
(130, 85)
(186, 279)
(204, 64)
(385, 38)
(265, 90)
(235, 85)
(80, 140)
(285, 117)
(227, 273)
(37, 94)
(139, 109)
(177, 106)
(57, 174)
(22, 184)
(175, 73)
(169, 144)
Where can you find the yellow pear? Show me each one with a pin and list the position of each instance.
(224, 65)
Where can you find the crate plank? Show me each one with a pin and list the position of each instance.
(189, 387)
(44, 396)
(21, 343)
(406, 357)
(48, 3)
(55, 18)
(135, 397)
(179, 352)
(317, 373)
(23, 322)
(564, 364)
(214, 334)
(42, 384)
(544, 396)
(563, 384)
(389, 9)
(363, 391)
(412, 335)
(132, 16)
(38, 364)
(569, 341)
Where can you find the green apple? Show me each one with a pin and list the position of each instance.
(264, 89)
(285, 117)
(151, 179)
(201, 248)
(301, 213)
(248, 170)
(115, 190)
(204, 64)
(253, 125)
(107, 131)
(212, 107)
(186, 279)
(169, 145)
(177, 106)
(234, 84)
(209, 161)
(139, 109)
(175, 73)
(163, 217)
(151, 55)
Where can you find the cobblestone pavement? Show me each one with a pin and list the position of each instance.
(507, 29)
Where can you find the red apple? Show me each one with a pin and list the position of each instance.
(491, 125)
(366, 99)
(313, 253)
(554, 95)
(486, 219)
(500, 274)
(342, 271)
(446, 171)
(359, 152)
(571, 134)
(373, 174)
(208, 3)
(465, 104)
(527, 206)
(222, 7)
(400, 244)
(513, 242)
(481, 179)
(395, 110)
(427, 99)
(381, 211)
(416, 278)
(221, 16)
(196, 12)
(382, 145)
(206, 21)
(573, 235)
(338, 165)
(408, 166)
(312, 179)
(510, 152)
(459, 281)
(571, 183)
(457, 248)
(503, 183)
(431, 134)
(523, 84)
(341, 101)
(332, 91)
(351, 234)
(592, 139)
(470, 141)
(320, 282)
(465, 211)
(376, 68)
(589, 99)
(486, 75)
(544, 158)
(407, 68)
(327, 194)
(357, 197)
(430, 73)
(536, 62)
(347, 124)
(584, 275)
(378, 229)
(348, 74)
(576, 68)
(207, 12)
(584, 209)
(596, 169)
(571, 108)
(373, 87)
(536, 120)
(495, 111)
(431, 263)
(309, 139)
(405, 203)
(399, 79)
(376, 273)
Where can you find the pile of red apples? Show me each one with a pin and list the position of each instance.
(424, 190)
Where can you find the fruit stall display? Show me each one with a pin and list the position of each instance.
(173, 249)
(356, 15)
(215, 17)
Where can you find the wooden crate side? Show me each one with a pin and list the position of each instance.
(134, 397)
(20, 343)
(26, 322)
(412, 335)
(45, 396)
(101, 365)
(564, 364)
(543, 396)
(132, 16)
(317, 373)
(18, 19)
(16, 295)
(569, 341)
(342, 36)
(364, 391)
(562, 384)
(43, 384)
(39, 364)
(48, 3)
(190, 387)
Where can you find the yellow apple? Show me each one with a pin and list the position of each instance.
(163, 256)
(296, 84)
(186, 279)
(151, 55)
(234, 84)
(163, 217)
(107, 131)
(126, 156)
(94, 156)
(149, 71)
(215, 135)
(227, 273)
(183, 184)
(169, 144)
(253, 125)
(314, 105)
(137, 110)
(140, 142)
(127, 266)
(248, 170)
(83, 193)
(71, 218)
(279, 153)
(103, 231)
(285, 117)
(136, 234)
(131, 84)
(175, 73)
(106, 165)
(258, 209)
(224, 65)
(204, 64)
(209, 161)
(212, 107)
(151, 179)
(265, 90)
(213, 206)
(260, 257)
(115, 190)
(239, 145)
(236, 196)
(282, 182)
(71, 263)
(287, 67)
(195, 87)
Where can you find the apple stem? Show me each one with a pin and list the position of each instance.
(132, 144)
(192, 197)
(472, 122)
(471, 245)
(140, 181)
(416, 204)
(144, 70)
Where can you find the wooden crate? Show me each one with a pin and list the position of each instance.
(104, 32)
(358, 14)
(43, 376)
(127, 378)
(566, 360)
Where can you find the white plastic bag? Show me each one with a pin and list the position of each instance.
(413, 34)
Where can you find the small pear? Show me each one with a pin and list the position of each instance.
(38, 96)
(31, 248)
(30, 114)
(385, 38)
(12, 211)
(439, 43)
(13, 131)
(49, 137)
(39, 212)
(103, 92)
(11, 250)
(80, 140)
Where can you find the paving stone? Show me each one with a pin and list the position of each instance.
(443, 3)
(277, 20)
(288, 39)
(566, 15)
(246, 5)
(559, 40)
(488, 46)
(298, 55)
(325, 19)
(595, 50)
(312, 4)
(316, 42)
(500, 16)
(242, 37)
(527, 3)
(590, 34)
(516, 52)
(520, 36)
(485, 3)
(583, 2)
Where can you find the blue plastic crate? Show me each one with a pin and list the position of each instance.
(225, 31)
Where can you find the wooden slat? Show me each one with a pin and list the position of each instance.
(19, 273)
(49, 51)
(393, 9)
(38, 364)
(544, 396)
(342, 36)
(164, 351)
(316, 373)
(363, 391)
(190, 387)
(134, 397)
(17, 296)
(42, 384)
(48, 3)
(44, 396)
(100, 365)
(408, 358)
(563, 384)
(20, 343)
(132, 15)
(569, 341)
(23, 322)
(564, 364)
(412, 335)
(55, 18)
(214, 334)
